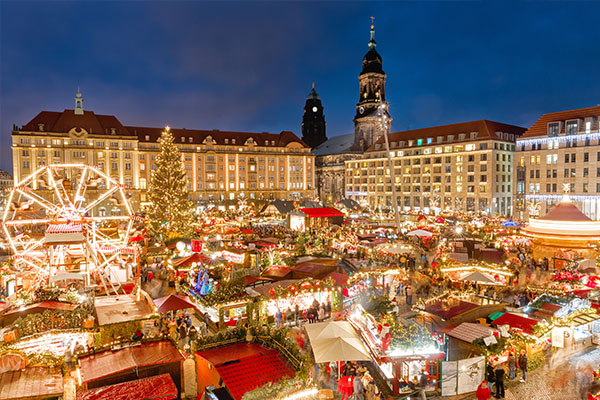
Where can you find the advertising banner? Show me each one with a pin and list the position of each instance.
(449, 377)
(470, 374)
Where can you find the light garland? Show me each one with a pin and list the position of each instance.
(562, 139)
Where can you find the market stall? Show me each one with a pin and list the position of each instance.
(400, 350)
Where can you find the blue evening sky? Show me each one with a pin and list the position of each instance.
(249, 65)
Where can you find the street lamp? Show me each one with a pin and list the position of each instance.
(383, 121)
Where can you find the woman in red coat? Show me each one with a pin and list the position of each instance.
(483, 391)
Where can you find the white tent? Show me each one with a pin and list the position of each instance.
(420, 232)
(336, 341)
(477, 276)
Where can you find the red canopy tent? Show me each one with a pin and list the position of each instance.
(248, 231)
(173, 302)
(516, 321)
(155, 387)
(194, 258)
(322, 212)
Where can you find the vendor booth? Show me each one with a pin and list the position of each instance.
(400, 351)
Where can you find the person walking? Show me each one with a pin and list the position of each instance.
(182, 334)
(548, 354)
(423, 385)
(512, 365)
(490, 375)
(523, 365)
(409, 294)
(321, 313)
(483, 391)
(499, 375)
(278, 317)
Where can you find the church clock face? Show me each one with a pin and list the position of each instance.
(361, 110)
(315, 109)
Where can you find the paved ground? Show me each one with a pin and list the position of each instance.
(569, 381)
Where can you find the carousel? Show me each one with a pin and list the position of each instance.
(564, 228)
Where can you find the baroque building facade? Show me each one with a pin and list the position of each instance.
(220, 165)
(465, 167)
(559, 152)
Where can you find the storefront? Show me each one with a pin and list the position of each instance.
(400, 365)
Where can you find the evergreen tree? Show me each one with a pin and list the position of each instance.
(170, 211)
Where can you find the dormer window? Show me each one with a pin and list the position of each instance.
(182, 139)
(190, 139)
(572, 127)
(429, 140)
(208, 139)
(113, 131)
(377, 146)
(450, 138)
(41, 127)
(226, 141)
(473, 135)
(249, 142)
(553, 129)
(272, 142)
(461, 137)
(410, 143)
(440, 139)
(232, 141)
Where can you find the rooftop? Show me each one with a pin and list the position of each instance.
(540, 127)
(484, 130)
(335, 145)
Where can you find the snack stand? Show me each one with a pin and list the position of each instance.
(398, 365)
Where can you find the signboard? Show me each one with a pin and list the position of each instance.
(232, 257)
(197, 246)
(470, 374)
(558, 337)
(449, 377)
(356, 193)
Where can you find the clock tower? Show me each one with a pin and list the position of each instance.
(368, 121)
(313, 120)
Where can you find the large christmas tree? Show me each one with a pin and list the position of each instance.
(170, 211)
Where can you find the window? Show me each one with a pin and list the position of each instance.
(114, 166)
(572, 127)
(586, 172)
(553, 129)
(586, 187)
(573, 157)
(25, 153)
(128, 166)
(586, 157)
(26, 164)
(113, 155)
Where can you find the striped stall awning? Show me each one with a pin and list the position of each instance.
(69, 227)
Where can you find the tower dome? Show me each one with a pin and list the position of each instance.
(372, 61)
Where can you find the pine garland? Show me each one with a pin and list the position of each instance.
(170, 210)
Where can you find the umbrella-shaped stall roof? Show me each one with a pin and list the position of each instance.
(420, 232)
(173, 302)
(336, 341)
(477, 276)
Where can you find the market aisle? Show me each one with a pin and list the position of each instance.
(564, 382)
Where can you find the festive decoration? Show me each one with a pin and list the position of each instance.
(170, 210)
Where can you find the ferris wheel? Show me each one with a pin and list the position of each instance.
(57, 226)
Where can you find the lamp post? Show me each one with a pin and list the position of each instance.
(384, 126)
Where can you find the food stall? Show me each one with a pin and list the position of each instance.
(400, 350)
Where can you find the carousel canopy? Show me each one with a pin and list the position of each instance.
(564, 220)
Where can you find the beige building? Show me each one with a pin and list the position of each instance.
(220, 165)
(466, 167)
(560, 148)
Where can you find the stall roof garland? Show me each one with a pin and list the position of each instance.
(452, 266)
(304, 285)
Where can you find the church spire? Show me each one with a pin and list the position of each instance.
(372, 42)
(78, 103)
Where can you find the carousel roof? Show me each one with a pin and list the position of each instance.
(564, 220)
(565, 211)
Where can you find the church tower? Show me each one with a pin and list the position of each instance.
(368, 122)
(313, 120)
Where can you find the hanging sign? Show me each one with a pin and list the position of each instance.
(197, 246)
